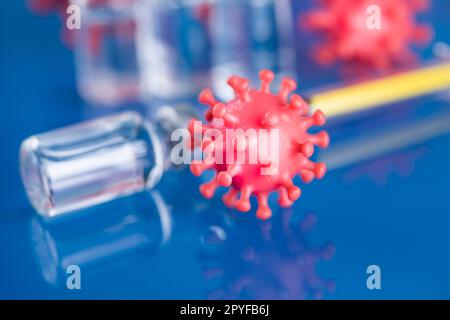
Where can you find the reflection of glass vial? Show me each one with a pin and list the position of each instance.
(173, 47)
(94, 241)
(105, 51)
(96, 161)
(250, 35)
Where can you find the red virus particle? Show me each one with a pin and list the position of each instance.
(260, 109)
(350, 36)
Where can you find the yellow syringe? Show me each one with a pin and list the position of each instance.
(381, 91)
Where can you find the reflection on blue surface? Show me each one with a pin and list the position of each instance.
(380, 170)
(89, 240)
(401, 225)
(264, 259)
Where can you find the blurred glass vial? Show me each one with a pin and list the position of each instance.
(91, 163)
(173, 47)
(250, 35)
(105, 52)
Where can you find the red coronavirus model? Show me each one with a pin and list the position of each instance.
(284, 117)
(374, 33)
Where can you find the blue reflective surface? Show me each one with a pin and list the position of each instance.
(392, 211)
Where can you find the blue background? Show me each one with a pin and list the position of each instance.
(401, 224)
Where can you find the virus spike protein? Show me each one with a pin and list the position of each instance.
(253, 109)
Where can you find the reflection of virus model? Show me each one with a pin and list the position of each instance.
(254, 110)
(352, 34)
(268, 260)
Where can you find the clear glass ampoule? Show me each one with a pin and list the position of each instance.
(97, 161)
(105, 52)
(248, 36)
(185, 44)
(173, 47)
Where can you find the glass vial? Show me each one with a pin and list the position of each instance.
(105, 52)
(90, 163)
(250, 35)
(173, 47)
